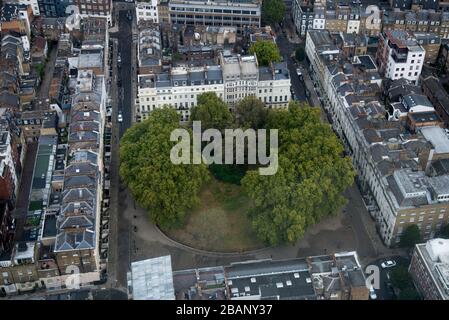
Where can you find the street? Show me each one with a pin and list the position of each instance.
(385, 292)
(286, 48)
(119, 243)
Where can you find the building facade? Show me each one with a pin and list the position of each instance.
(429, 269)
(239, 14)
(55, 8)
(399, 56)
(147, 11)
(392, 171)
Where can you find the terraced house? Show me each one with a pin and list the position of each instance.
(235, 78)
(392, 157)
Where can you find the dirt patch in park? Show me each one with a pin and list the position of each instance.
(219, 222)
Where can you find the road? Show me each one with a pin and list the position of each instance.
(23, 195)
(124, 44)
(48, 73)
(384, 292)
(119, 243)
(286, 48)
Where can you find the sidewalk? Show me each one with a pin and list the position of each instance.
(113, 221)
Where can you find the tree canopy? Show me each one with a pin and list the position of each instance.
(409, 293)
(273, 11)
(410, 236)
(164, 189)
(250, 112)
(266, 51)
(212, 111)
(300, 53)
(307, 187)
(400, 277)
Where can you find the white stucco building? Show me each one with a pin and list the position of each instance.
(399, 55)
(234, 79)
(178, 88)
(147, 11)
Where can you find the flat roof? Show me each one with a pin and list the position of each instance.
(152, 279)
(437, 137)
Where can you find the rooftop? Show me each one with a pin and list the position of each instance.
(437, 137)
(152, 279)
(283, 279)
(435, 254)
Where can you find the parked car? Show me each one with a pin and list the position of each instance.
(388, 264)
(372, 293)
(120, 117)
(299, 73)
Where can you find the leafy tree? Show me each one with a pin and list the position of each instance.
(410, 237)
(409, 293)
(266, 51)
(212, 112)
(445, 232)
(311, 176)
(400, 277)
(228, 173)
(300, 53)
(40, 68)
(251, 113)
(273, 11)
(164, 189)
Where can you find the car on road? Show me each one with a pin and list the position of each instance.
(120, 117)
(388, 264)
(372, 293)
(299, 73)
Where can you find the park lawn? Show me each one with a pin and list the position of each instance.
(219, 222)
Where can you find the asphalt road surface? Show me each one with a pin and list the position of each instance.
(385, 292)
(124, 44)
(286, 48)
